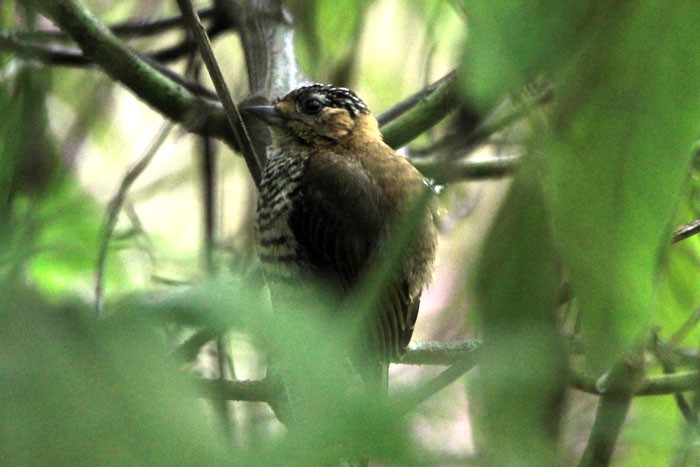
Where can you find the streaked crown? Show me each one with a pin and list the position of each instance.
(311, 99)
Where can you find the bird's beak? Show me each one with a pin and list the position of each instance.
(267, 113)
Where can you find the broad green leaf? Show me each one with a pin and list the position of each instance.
(523, 365)
(618, 154)
(513, 42)
(93, 394)
(329, 32)
(618, 160)
(67, 240)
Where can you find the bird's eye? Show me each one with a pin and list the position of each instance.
(311, 106)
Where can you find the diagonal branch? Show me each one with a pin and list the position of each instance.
(419, 112)
(65, 56)
(404, 403)
(686, 230)
(115, 207)
(254, 162)
(443, 172)
(124, 65)
(131, 28)
(141, 28)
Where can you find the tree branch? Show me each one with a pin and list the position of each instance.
(141, 28)
(454, 145)
(404, 403)
(619, 387)
(124, 65)
(130, 28)
(664, 354)
(24, 45)
(686, 230)
(443, 172)
(115, 207)
(267, 36)
(247, 391)
(462, 357)
(439, 353)
(662, 385)
(410, 118)
(254, 162)
(467, 352)
(65, 56)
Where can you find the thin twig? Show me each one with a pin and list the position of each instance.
(129, 28)
(404, 403)
(248, 391)
(115, 207)
(442, 172)
(222, 405)
(64, 56)
(199, 33)
(208, 162)
(190, 348)
(463, 356)
(686, 230)
(456, 144)
(68, 56)
(664, 354)
(143, 240)
(662, 385)
(439, 353)
(122, 64)
(141, 28)
(687, 326)
(209, 184)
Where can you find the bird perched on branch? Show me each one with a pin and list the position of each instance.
(334, 200)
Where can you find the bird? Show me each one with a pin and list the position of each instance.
(332, 200)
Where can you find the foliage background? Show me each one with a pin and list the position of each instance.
(610, 172)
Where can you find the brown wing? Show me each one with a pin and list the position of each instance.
(339, 218)
(340, 221)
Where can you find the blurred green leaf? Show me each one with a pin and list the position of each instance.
(654, 433)
(328, 38)
(617, 163)
(68, 225)
(6, 12)
(75, 392)
(523, 365)
(28, 162)
(510, 43)
(327, 414)
(53, 225)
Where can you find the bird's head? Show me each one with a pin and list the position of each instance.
(318, 115)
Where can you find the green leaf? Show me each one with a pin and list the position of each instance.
(513, 42)
(617, 163)
(653, 433)
(523, 365)
(326, 38)
(93, 394)
(68, 225)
